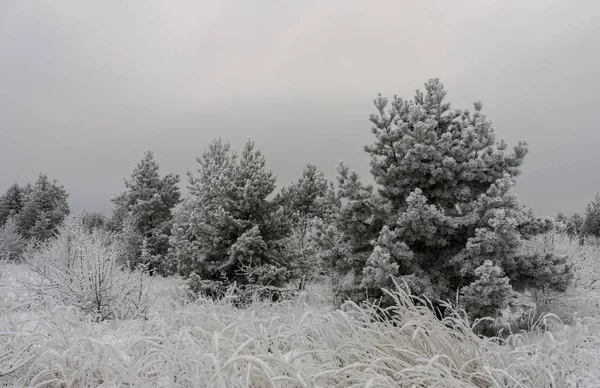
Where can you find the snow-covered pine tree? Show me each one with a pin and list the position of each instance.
(44, 208)
(228, 230)
(308, 201)
(312, 195)
(575, 225)
(147, 202)
(94, 221)
(445, 218)
(561, 221)
(591, 226)
(11, 203)
(346, 241)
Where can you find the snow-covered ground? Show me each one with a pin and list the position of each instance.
(302, 342)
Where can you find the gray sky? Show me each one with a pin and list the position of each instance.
(87, 86)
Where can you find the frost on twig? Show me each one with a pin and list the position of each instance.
(81, 268)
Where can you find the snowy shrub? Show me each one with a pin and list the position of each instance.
(93, 221)
(582, 297)
(81, 268)
(11, 242)
(256, 286)
(444, 217)
(205, 287)
(130, 242)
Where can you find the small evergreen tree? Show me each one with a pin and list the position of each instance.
(591, 226)
(491, 291)
(561, 221)
(11, 203)
(575, 225)
(444, 217)
(147, 201)
(44, 208)
(94, 221)
(312, 195)
(308, 200)
(228, 230)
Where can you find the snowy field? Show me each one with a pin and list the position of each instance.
(299, 342)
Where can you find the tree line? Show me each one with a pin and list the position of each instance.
(441, 219)
(582, 227)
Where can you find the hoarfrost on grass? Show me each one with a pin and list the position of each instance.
(189, 343)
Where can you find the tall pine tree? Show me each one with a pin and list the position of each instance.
(11, 203)
(44, 208)
(575, 225)
(591, 226)
(444, 218)
(147, 203)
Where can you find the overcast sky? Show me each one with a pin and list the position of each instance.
(87, 86)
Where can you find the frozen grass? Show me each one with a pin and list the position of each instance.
(295, 343)
(583, 296)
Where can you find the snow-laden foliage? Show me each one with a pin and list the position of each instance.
(312, 195)
(575, 225)
(591, 226)
(147, 204)
(11, 203)
(228, 227)
(444, 218)
(95, 221)
(44, 208)
(309, 200)
(561, 220)
(80, 268)
(583, 294)
(131, 242)
(488, 294)
(208, 343)
(11, 242)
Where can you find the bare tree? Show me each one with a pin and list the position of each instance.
(81, 268)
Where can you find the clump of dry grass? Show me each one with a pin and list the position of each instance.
(209, 343)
